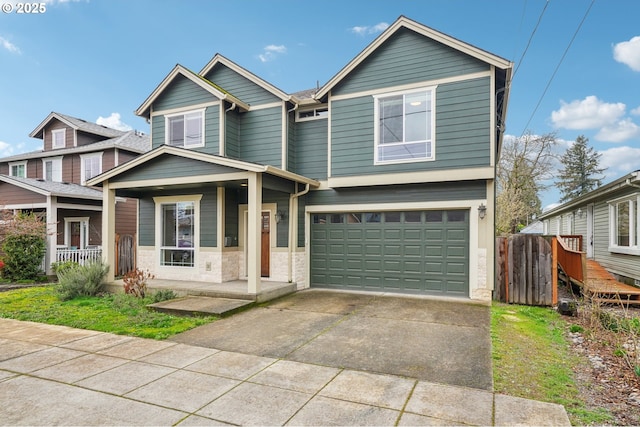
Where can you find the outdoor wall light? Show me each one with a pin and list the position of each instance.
(579, 212)
(280, 215)
(482, 210)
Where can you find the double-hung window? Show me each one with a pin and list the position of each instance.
(178, 220)
(624, 235)
(18, 169)
(91, 165)
(185, 129)
(404, 126)
(52, 169)
(58, 138)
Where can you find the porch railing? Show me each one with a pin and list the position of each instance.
(81, 256)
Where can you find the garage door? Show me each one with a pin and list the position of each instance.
(422, 252)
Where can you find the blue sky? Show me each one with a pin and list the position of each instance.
(100, 59)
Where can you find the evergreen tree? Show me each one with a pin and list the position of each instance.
(580, 168)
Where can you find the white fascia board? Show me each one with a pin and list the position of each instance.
(45, 122)
(469, 174)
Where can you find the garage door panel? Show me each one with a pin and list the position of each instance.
(412, 234)
(393, 250)
(456, 252)
(373, 265)
(392, 234)
(413, 250)
(354, 264)
(336, 234)
(354, 249)
(434, 235)
(433, 251)
(373, 249)
(355, 233)
(373, 234)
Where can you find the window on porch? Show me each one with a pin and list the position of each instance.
(178, 234)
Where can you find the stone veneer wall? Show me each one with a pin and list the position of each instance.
(483, 291)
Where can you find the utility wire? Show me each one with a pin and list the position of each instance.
(557, 67)
(530, 39)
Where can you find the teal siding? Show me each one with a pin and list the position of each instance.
(239, 86)
(182, 93)
(462, 132)
(408, 57)
(311, 145)
(261, 136)
(157, 131)
(432, 192)
(211, 131)
(147, 221)
(209, 219)
(231, 220)
(169, 166)
(232, 147)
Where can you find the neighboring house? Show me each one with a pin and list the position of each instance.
(608, 220)
(380, 180)
(534, 228)
(51, 181)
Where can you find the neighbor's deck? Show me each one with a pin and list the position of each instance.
(605, 288)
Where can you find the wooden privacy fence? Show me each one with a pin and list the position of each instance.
(125, 254)
(524, 271)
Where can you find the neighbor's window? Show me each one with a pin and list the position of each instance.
(91, 165)
(404, 126)
(52, 169)
(18, 169)
(177, 234)
(58, 138)
(185, 129)
(623, 215)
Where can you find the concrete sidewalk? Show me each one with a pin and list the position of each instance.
(55, 375)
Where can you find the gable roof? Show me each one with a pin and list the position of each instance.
(77, 124)
(404, 22)
(219, 59)
(52, 188)
(630, 180)
(179, 70)
(196, 155)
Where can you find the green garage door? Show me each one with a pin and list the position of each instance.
(421, 252)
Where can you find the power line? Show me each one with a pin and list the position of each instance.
(530, 39)
(557, 67)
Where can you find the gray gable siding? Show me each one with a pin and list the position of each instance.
(311, 145)
(168, 166)
(182, 93)
(211, 131)
(408, 57)
(239, 86)
(261, 136)
(462, 132)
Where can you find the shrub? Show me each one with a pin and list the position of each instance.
(84, 280)
(62, 266)
(135, 282)
(164, 295)
(24, 245)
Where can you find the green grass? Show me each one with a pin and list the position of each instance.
(532, 359)
(115, 313)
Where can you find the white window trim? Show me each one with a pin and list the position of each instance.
(376, 127)
(316, 110)
(159, 201)
(22, 163)
(201, 111)
(613, 225)
(83, 158)
(57, 177)
(53, 138)
(84, 231)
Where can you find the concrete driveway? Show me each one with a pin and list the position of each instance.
(433, 340)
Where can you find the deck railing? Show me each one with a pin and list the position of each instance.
(81, 256)
(567, 252)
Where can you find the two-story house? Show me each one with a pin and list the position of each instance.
(383, 179)
(52, 182)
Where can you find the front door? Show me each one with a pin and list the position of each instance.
(265, 241)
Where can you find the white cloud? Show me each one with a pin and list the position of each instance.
(271, 51)
(113, 121)
(5, 149)
(589, 113)
(628, 53)
(374, 29)
(636, 111)
(620, 131)
(620, 160)
(6, 44)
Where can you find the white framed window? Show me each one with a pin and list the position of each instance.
(185, 129)
(405, 126)
(177, 229)
(90, 165)
(320, 112)
(58, 138)
(18, 169)
(52, 169)
(623, 220)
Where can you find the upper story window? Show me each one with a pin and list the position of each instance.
(623, 220)
(91, 165)
(185, 129)
(52, 169)
(313, 113)
(18, 169)
(405, 129)
(58, 138)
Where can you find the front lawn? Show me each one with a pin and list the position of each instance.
(115, 313)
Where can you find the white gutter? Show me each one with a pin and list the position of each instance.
(293, 225)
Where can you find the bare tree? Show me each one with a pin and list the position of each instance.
(524, 166)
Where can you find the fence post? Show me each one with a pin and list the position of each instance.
(554, 270)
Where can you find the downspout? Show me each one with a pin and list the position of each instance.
(293, 225)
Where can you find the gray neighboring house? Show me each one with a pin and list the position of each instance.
(383, 179)
(608, 220)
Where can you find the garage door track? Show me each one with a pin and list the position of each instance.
(432, 340)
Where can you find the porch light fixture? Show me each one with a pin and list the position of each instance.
(482, 210)
(579, 212)
(279, 216)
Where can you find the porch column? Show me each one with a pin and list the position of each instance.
(254, 209)
(109, 229)
(52, 233)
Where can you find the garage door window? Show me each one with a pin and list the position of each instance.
(337, 219)
(319, 219)
(456, 216)
(392, 217)
(372, 217)
(413, 217)
(433, 216)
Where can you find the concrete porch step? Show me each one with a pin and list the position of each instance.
(201, 306)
